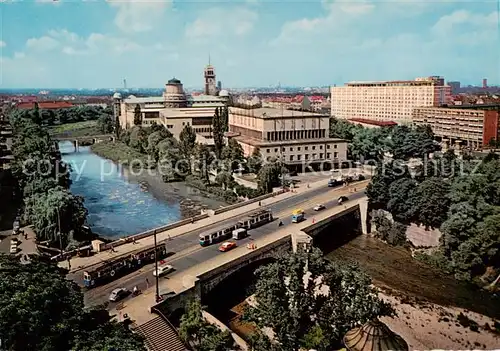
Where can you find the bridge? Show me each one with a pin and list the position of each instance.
(87, 139)
(199, 280)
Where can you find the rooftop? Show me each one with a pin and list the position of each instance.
(268, 112)
(260, 142)
(372, 122)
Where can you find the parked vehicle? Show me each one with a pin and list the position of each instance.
(228, 245)
(14, 249)
(343, 199)
(118, 294)
(162, 270)
(298, 216)
(225, 232)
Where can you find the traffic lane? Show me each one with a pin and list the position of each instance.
(197, 256)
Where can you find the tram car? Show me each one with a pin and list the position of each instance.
(111, 269)
(222, 233)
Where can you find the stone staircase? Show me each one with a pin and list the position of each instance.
(160, 335)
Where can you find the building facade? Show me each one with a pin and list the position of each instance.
(296, 138)
(388, 100)
(471, 126)
(174, 110)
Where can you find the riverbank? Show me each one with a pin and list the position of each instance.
(120, 153)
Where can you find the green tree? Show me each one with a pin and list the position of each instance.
(41, 310)
(137, 115)
(201, 335)
(168, 160)
(46, 211)
(105, 124)
(233, 154)
(154, 140)
(139, 139)
(412, 142)
(431, 202)
(205, 159)
(401, 202)
(307, 300)
(254, 162)
(187, 144)
(269, 176)
(218, 130)
(225, 180)
(385, 174)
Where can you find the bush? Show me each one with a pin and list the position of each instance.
(437, 260)
(228, 195)
(121, 153)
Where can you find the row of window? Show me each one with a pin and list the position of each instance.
(306, 148)
(313, 157)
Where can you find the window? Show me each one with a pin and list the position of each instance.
(320, 156)
(306, 156)
(268, 150)
(321, 147)
(299, 157)
(170, 126)
(314, 156)
(314, 147)
(335, 154)
(306, 148)
(276, 150)
(291, 149)
(335, 146)
(291, 157)
(298, 149)
(328, 155)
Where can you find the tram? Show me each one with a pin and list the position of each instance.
(251, 221)
(113, 268)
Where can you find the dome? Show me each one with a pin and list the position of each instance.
(374, 336)
(174, 81)
(117, 96)
(224, 93)
(132, 97)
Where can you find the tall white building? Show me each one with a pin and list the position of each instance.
(388, 100)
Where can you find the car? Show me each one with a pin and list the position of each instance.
(228, 245)
(343, 199)
(118, 294)
(319, 207)
(162, 270)
(13, 249)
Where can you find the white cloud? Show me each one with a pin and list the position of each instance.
(139, 15)
(19, 55)
(44, 43)
(2, 44)
(448, 23)
(219, 21)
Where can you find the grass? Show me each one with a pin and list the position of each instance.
(120, 153)
(71, 127)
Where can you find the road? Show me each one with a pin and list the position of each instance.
(189, 253)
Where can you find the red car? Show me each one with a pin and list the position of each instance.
(228, 245)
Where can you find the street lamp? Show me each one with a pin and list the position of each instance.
(156, 270)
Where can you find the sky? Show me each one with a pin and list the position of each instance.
(97, 44)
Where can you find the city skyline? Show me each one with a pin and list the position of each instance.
(254, 43)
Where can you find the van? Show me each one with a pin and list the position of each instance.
(239, 233)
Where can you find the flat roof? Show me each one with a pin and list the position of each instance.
(373, 122)
(269, 112)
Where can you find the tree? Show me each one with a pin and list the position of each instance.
(205, 159)
(187, 143)
(218, 129)
(431, 202)
(201, 335)
(138, 139)
(401, 202)
(269, 176)
(137, 115)
(41, 310)
(225, 179)
(154, 140)
(307, 300)
(105, 124)
(343, 129)
(412, 142)
(254, 162)
(394, 233)
(385, 174)
(233, 154)
(46, 211)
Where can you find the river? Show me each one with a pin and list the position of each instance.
(121, 203)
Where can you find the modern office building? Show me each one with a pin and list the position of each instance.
(473, 126)
(297, 138)
(455, 87)
(388, 100)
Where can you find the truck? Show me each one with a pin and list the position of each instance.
(334, 181)
(239, 233)
(297, 216)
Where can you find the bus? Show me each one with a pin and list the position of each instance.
(113, 268)
(297, 216)
(225, 232)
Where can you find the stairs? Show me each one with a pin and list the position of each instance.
(160, 336)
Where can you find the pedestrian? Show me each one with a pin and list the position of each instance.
(169, 237)
(259, 203)
(147, 283)
(192, 220)
(133, 241)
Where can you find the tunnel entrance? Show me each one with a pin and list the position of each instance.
(339, 232)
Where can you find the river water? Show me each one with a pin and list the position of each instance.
(119, 203)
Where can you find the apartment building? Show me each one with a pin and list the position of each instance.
(388, 100)
(472, 126)
(296, 138)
